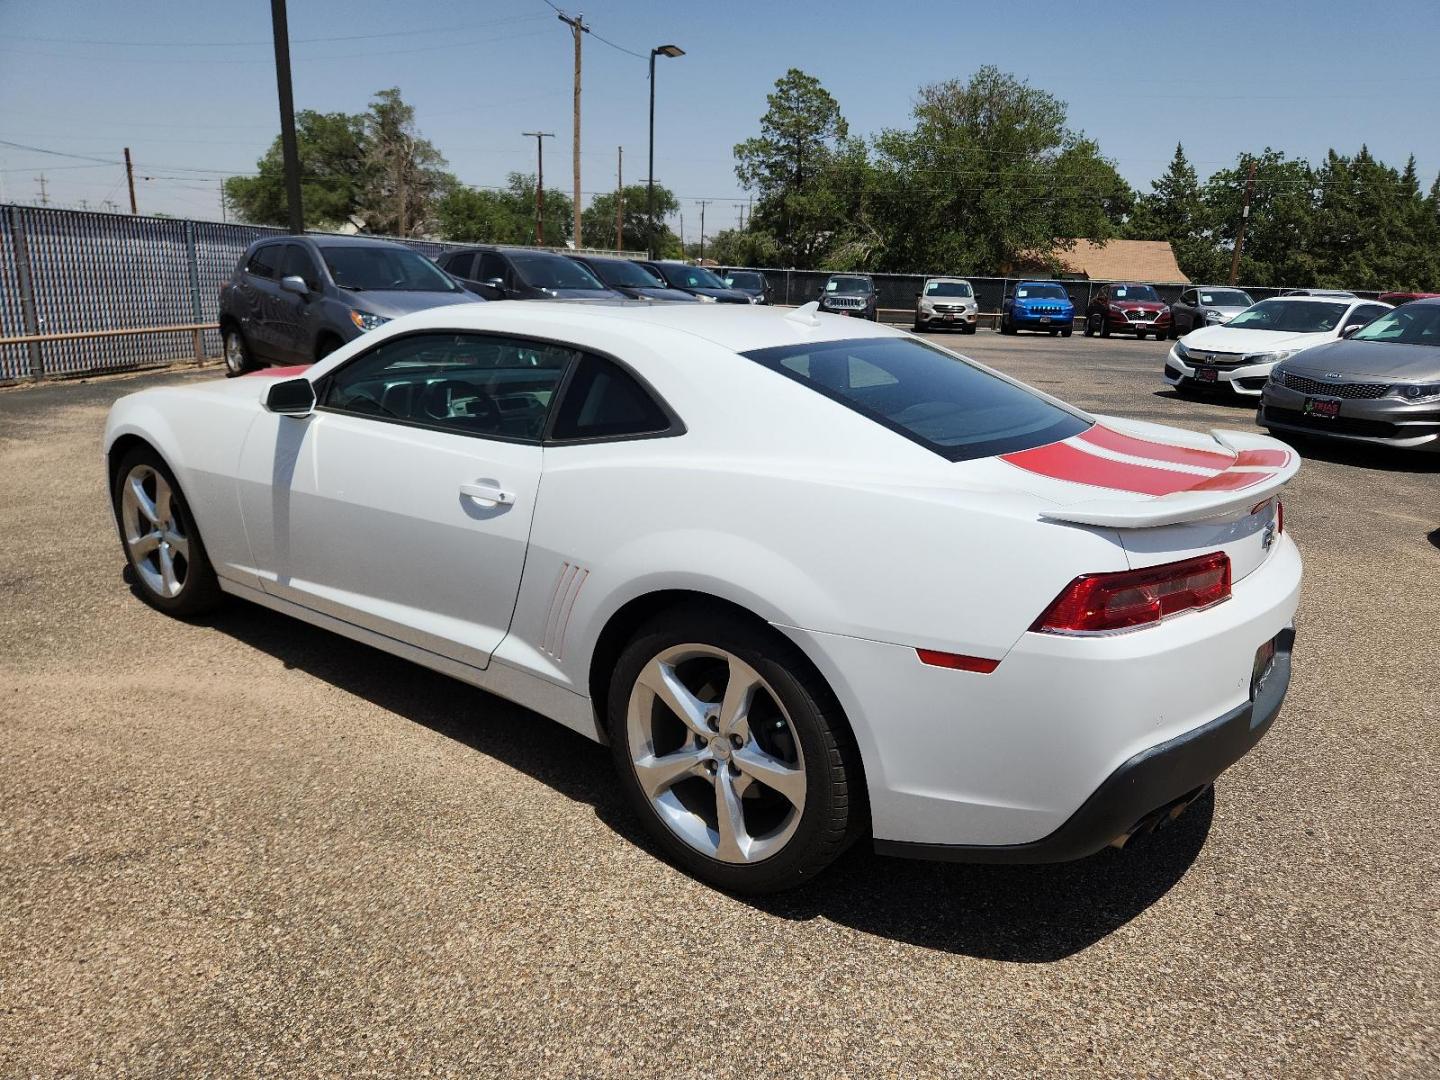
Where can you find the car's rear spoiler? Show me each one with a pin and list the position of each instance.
(1262, 467)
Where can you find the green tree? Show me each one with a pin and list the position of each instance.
(1174, 210)
(1279, 237)
(332, 174)
(786, 165)
(506, 216)
(406, 174)
(597, 221)
(988, 173)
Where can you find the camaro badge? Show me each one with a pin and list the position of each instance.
(1267, 540)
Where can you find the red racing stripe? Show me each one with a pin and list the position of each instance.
(1231, 481)
(1272, 458)
(1061, 461)
(1168, 452)
(281, 372)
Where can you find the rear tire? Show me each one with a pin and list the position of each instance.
(753, 793)
(238, 357)
(162, 544)
(1104, 328)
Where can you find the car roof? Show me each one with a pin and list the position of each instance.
(738, 327)
(947, 277)
(329, 240)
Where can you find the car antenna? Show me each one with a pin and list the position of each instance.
(806, 314)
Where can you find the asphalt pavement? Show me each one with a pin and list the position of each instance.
(245, 846)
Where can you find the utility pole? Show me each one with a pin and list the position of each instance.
(703, 203)
(281, 28)
(577, 27)
(740, 206)
(1244, 220)
(44, 195)
(539, 182)
(620, 198)
(130, 179)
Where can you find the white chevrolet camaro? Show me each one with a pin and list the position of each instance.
(811, 578)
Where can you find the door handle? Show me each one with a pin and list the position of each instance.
(487, 494)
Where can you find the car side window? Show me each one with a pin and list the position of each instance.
(263, 259)
(1188, 297)
(603, 400)
(491, 266)
(459, 263)
(297, 260)
(473, 384)
(1365, 313)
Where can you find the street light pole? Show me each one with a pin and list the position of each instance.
(659, 50)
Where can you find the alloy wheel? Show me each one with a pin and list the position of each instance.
(155, 535)
(234, 353)
(715, 753)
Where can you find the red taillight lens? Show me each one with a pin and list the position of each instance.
(1096, 602)
(1279, 516)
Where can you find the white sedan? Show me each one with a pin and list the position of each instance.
(811, 578)
(1237, 357)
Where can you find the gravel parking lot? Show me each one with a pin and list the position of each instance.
(247, 846)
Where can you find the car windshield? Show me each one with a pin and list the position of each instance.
(745, 279)
(692, 277)
(628, 274)
(948, 288)
(1041, 292)
(932, 397)
(1134, 292)
(1290, 316)
(359, 268)
(1415, 324)
(1225, 298)
(553, 272)
(848, 285)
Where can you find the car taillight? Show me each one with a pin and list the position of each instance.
(1279, 516)
(957, 661)
(1094, 603)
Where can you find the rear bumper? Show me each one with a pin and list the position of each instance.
(1163, 776)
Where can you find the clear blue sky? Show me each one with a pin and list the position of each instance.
(189, 86)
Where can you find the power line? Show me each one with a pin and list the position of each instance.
(130, 44)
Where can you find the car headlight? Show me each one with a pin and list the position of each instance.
(754, 299)
(705, 299)
(1277, 375)
(1269, 357)
(1182, 353)
(1418, 391)
(364, 320)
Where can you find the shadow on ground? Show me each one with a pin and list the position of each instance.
(1016, 913)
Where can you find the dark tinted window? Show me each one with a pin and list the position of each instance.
(359, 267)
(476, 384)
(746, 279)
(848, 285)
(545, 271)
(938, 400)
(626, 273)
(1134, 292)
(1365, 313)
(1042, 291)
(299, 262)
(1291, 316)
(690, 277)
(605, 400)
(263, 260)
(460, 263)
(491, 266)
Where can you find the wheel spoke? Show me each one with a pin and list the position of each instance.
(143, 502)
(662, 680)
(178, 544)
(658, 774)
(162, 500)
(734, 840)
(168, 579)
(773, 773)
(144, 545)
(740, 690)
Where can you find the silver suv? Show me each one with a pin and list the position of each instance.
(946, 303)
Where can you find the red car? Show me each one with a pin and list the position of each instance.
(1130, 308)
(1398, 298)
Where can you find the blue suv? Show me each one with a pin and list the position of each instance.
(1038, 305)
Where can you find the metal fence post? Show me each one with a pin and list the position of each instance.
(28, 320)
(192, 256)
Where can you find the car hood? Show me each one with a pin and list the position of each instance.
(1042, 301)
(659, 293)
(1228, 339)
(583, 294)
(733, 296)
(1155, 306)
(1372, 359)
(392, 303)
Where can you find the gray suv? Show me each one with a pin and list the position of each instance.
(293, 299)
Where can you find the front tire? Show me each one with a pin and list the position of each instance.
(732, 752)
(167, 557)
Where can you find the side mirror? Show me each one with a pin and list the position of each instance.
(293, 397)
(294, 283)
(1351, 329)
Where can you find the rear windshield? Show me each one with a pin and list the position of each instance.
(1041, 292)
(938, 400)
